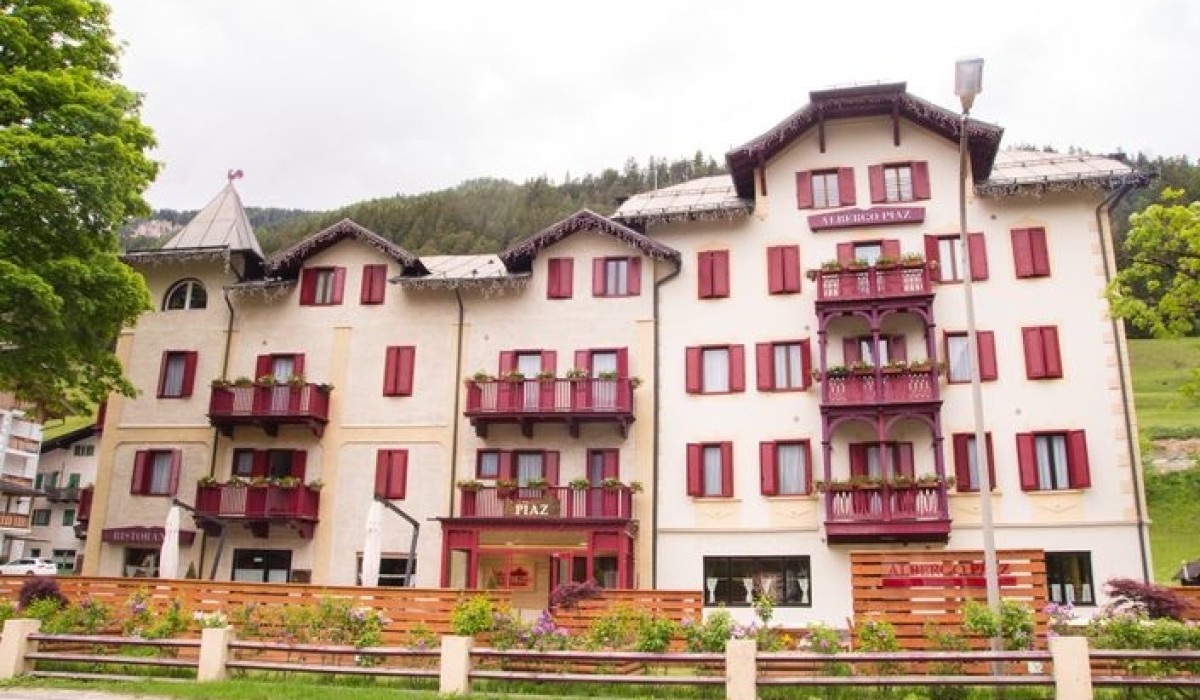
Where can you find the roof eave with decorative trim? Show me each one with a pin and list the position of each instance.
(666, 215)
(290, 260)
(519, 256)
(1038, 186)
(876, 100)
(513, 281)
(160, 255)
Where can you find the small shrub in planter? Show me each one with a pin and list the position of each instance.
(40, 588)
(568, 595)
(472, 616)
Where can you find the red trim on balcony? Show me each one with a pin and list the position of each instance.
(269, 407)
(259, 506)
(547, 505)
(881, 387)
(570, 401)
(887, 514)
(871, 283)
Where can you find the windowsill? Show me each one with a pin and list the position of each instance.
(785, 390)
(975, 494)
(716, 499)
(1054, 492)
(792, 497)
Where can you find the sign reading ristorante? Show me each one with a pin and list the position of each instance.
(875, 216)
(942, 573)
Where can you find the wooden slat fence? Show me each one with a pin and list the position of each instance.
(910, 589)
(1192, 595)
(673, 605)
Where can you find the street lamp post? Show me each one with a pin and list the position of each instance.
(968, 82)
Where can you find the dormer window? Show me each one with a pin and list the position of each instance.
(185, 294)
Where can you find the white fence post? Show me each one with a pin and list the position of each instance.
(14, 645)
(214, 653)
(741, 669)
(1072, 668)
(455, 675)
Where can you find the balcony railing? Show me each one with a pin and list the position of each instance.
(16, 521)
(887, 513)
(62, 493)
(880, 386)
(872, 283)
(258, 502)
(551, 503)
(571, 401)
(269, 406)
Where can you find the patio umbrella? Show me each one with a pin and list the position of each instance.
(168, 557)
(372, 545)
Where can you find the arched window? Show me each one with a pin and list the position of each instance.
(186, 294)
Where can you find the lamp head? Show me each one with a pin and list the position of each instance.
(968, 80)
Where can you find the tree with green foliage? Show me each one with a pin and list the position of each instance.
(1159, 289)
(73, 165)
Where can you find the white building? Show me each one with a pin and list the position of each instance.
(19, 444)
(66, 468)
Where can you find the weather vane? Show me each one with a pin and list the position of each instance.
(234, 175)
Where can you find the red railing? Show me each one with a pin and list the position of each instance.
(872, 283)
(307, 401)
(258, 502)
(887, 513)
(880, 386)
(549, 396)
(84, 512)
(548, 503)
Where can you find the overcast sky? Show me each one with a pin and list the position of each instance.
(327, 102)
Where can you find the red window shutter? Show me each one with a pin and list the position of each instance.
(382, 466)
(978, 252)
(1027, 461)
(189, 371)
(549, 361)
(695, 469)
(907, 465)
(897, 348)
(162, 372)
(137, 484)
(374, 277)
(920, 179)
(391, 368)
(598, 277)
(858, 459)
(583, 360)
(962, 461)
(991, 461)
(1022, 253)
(308, 286)
(612, 464)
(765, 366)
(737, 368)
(1039, 253)
(506, 466)
(508, 361)
(694, 368)
(790, 265)
(704, 265)
(263, 366)
(850, 351)
(806, 363)
(804, 193)
(406, 359)
(635, 276)
(775, 283)
(622, 362)
(551, 460)
(875, 177)
(298, 364)
(1051, 353)
(561, 283)
(176, 467)
(933, 254)
(299, 464)
(1035, 363)
(398, 478)
(891, 248)
(845, 252)
(986, 340)
(261, 463)
(727, 469)
(1078, 471)
(846, 186)
(768, 475)
(720, 273)
(339, 284)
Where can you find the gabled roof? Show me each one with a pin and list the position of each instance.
(481, 271)
(983, 139)
(1037, 173)
(289, 261)
(519, 257)
(704, 198)
(221, 224)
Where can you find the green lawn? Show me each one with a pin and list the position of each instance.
(1159, 367)
(1174, 502)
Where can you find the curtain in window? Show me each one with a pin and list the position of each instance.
(712, 472)
(160, 473)
(716, 370)
(792, 471)
(529, 467)
(787, 367)
(282, 367)
(173, 382)
(1052, 462)
(972, 465)
(616, 277)
(949, 255)
(1058, 448)
(874, 462)
(489, 465)
(959, 357)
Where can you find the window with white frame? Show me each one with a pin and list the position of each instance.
(825, 189)
(184, 295)
(898, 183)
(713, 475)
(1069, 578)
(715, 362)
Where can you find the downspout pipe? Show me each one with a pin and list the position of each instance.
(454, 418)
(1104, 210)
(657, 427)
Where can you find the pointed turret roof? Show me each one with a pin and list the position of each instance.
(222, 223)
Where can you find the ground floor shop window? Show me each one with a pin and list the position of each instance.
(141, 563)
(735, 581)
(262, 565)
(391, 570)
(1069, 576)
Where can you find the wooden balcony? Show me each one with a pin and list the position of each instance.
(62, 494)
(531, 401)
(14, 521)
(881, 386)
(260, 506)
(551, 503)
(871, 284)
(269, 407)
(917, 513)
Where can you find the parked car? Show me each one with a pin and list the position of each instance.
(29, 567)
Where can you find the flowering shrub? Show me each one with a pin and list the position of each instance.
(567, 595)
(710, 634)
(1062, 617)
(472, 616)
(1146, 599)
(1014, 624)
(40, 588)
